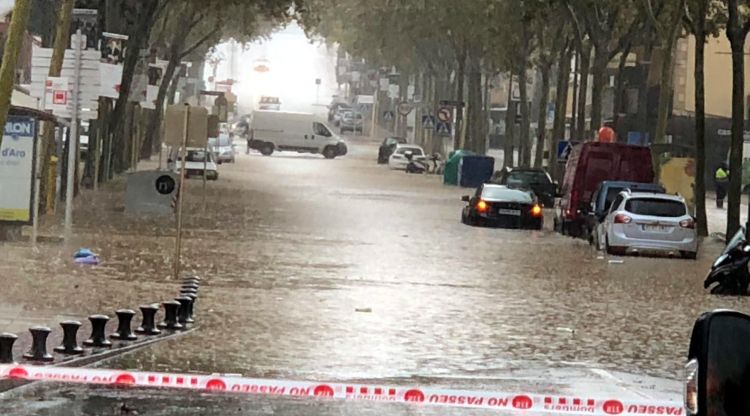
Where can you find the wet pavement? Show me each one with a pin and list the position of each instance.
(344, 270)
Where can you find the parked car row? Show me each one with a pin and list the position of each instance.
(608, 197)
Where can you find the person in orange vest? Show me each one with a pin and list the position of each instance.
(607, 135)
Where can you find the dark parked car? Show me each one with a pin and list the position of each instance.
(500, 206)
(602, 199)
(387, 147)
(536, 180)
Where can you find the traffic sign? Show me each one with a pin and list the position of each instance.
(388, 115)
(165, 184)
(443, 129)
(428, 122)
(564, 147)
(445, 114)
(405, 108)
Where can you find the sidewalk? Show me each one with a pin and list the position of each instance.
(42, 285)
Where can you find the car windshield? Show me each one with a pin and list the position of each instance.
(315, 260)
(505, 194)
(656, 207)
(223, 140)
(196, 156)
(527, 177)
(414, 150)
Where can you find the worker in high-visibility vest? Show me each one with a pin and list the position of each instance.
(721, 180)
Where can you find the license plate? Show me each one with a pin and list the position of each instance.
(503, 211)
(656, 228)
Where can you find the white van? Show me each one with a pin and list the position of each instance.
(297, 132)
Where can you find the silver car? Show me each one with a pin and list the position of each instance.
(645, 221)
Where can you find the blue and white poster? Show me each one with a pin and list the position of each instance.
(17, 170)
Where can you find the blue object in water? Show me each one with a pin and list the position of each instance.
(474, 170)
(83, 252)
(90, 260)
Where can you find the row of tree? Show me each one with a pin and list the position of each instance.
(450, 49)
(172, 30)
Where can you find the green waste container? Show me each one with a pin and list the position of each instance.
(450, 173)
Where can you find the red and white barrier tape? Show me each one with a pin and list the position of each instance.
(519, 402)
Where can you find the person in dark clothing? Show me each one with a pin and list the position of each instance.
(721, 180)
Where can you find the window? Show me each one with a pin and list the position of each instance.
(321, 130)
(617, 202)
(414, 150)
(503, 193)
(526, 177)
(656, 207)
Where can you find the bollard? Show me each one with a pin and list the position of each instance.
(6, 347)
(183, 315)
(70, 342)
(38, 350)
(98, 325)
(124, 333)
(190, 291)
(148, 327)
(195, 283)
(191, 286)
(171, 309)
(191, 307)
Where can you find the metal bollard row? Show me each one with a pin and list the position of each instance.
(178, 315)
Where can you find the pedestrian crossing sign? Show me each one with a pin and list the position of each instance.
(428, 122)
(443, 128)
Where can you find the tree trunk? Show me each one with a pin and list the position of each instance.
(665, 93)
(525, 140)
(561, 106)
(700, 121)
(736, 36)
(13, 44)
(460, 75)
(642, 118)
(620, 86)
(583, 93)
(599, 72)
(151, 140)
(173, 84)
(542, 117)
(136, 41)
(574, 109)
(510, 121)
(474, 118)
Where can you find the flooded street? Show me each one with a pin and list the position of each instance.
(342, 269)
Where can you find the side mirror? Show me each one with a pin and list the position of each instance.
(466, 198)
(716, 375)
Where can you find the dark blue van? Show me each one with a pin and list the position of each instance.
(602, 198)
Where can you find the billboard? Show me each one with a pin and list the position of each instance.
(17, 170)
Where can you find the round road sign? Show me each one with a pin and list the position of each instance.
(405, 108)
(165, 184)
(445, 114)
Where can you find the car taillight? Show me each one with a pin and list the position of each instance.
(622, 219)
(688, 223)
(536, 210)
(482, 206)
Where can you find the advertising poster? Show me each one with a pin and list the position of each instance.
(17, 170)
(87, 20)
